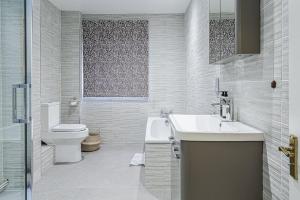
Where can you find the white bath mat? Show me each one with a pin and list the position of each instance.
(138, 160)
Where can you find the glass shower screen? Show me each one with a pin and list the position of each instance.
(14, 100)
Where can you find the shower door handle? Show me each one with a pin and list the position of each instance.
(26, 118)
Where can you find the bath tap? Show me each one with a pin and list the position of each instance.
(164, 114)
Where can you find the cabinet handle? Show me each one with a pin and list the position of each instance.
(176, 152)
(171, 138)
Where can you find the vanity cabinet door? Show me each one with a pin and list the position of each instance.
(221, 170)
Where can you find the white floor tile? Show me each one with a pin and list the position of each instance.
(102, 175)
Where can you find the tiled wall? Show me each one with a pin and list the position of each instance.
(1, 84)
(46, 70)
(248, 81)
(47, 158)
(191, 89)
(1, 101)
(157, 176)
(70, 65)
(13, 163)
(125, 122)
(36, 89)
(12, 71)
(257, 104)
(50, 52)
(200, 75)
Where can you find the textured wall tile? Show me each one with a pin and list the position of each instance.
(125, 122)
(158, 168)
(248, 81)
(200, 75)
(50, 52)
(36, 90)
(70, 65)
(47, 158)
(45, 69)
(256, 103)
(12, 71)
(12, 54)
(13, 164)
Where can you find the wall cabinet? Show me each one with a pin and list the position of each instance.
(234, 30)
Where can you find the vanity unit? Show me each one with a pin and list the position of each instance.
(215, 160)
(234, 30)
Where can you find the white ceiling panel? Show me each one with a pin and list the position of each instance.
(123, 6)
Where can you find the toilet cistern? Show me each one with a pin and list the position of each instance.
(66, 138)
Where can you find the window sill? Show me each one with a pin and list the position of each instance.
(115, 99)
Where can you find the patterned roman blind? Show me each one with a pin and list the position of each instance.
(115, 58)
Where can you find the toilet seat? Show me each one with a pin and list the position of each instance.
(69, 128)
(65, 137)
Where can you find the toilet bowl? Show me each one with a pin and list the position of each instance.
(66, 138)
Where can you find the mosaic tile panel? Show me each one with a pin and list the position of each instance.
(115, 58)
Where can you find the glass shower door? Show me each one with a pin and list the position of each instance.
(14, 100)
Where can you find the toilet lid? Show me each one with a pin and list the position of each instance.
(69, 128)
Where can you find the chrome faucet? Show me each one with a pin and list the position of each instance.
(226, 106)
(215, 105)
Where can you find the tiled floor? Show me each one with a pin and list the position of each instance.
(12, 195)
(102, 175)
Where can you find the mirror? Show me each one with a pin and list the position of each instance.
(214, 31)
(221, 30)
(234, 30)
(227, 24)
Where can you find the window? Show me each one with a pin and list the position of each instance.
(115, 58)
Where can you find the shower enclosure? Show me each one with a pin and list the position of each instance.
(15, 120)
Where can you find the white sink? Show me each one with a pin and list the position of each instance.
(211, 128)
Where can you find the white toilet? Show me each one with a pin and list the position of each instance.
(67, 138)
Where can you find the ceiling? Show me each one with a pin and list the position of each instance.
(123, 6)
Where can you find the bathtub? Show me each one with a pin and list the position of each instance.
(157, 177)
(157, 131)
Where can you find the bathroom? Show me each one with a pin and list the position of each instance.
(149, 100)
